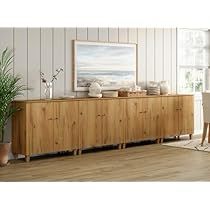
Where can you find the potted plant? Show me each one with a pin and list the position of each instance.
(10, 87)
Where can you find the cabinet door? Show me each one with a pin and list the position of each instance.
(66, 124)
(186, 114)
(151, 108)
(170, 116)
(113, 121)
(40, 127)
(135, 117)
(90, 123)
(120, 119)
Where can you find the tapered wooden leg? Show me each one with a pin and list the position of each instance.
(190, 135)
(178, 137)
(124, 146)
(75, 152)
(79, 151)
(161, 140)
(174, 137)
(119, 146)
(205, 126)
(27, 158)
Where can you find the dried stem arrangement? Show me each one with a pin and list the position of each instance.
(54, 77)
(48, 85)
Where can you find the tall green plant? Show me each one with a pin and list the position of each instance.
(10, 87)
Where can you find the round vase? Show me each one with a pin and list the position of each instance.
(164, 88)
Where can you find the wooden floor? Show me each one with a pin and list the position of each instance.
(140, 163)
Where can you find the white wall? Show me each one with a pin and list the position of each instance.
(45, 49)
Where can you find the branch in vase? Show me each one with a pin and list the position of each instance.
(57, 73)
(54, 77)
(42, 77)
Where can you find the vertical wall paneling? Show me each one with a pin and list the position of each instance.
(173, 60)
(58, 60)
(158, 54)
(167, 55)
(103, 34)
(6, 40)
(92, 34)
(123, 35)
(47, 49)
(132, 35)
(113, 35)
(34, 64)
(150, 55)
(46, 55)
(132, 39)
(142, 37)
(20, 56)
(70, 36)
(82, 34)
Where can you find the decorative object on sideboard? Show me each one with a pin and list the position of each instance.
(112, 65)
(110, 94)
(134, 91)
(164, 88)
(130, 93)
(10, 87)
(153, 88)
(66, 97)
(95, 90)
(48, 85)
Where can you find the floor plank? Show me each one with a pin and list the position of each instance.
(140, 163)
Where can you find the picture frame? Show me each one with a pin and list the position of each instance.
(112, 65)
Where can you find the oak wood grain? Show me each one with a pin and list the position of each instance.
(140, 163)
(61, 125)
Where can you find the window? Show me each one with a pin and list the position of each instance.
(193, 60)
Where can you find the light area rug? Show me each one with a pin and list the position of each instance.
(194, 144)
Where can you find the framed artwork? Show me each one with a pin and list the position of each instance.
(112, 65)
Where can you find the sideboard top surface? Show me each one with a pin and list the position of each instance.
(88, 98)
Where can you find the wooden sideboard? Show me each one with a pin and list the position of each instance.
(45, 126)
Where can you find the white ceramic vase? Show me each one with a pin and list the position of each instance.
(164, 88)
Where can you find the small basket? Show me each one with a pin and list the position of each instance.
(132, 93)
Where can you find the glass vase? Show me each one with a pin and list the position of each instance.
(48, 90)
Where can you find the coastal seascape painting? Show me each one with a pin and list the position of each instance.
(112, 65)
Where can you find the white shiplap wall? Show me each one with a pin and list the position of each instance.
(45, 49)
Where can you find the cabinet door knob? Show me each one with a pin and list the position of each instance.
(81, 113)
